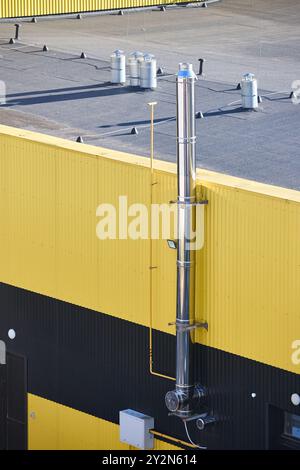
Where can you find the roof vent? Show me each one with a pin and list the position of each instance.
(249, 91)
(118, 67)
(134, 61)
(148, 79)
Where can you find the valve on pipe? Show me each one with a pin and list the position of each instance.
(181, 402)
(204, 421)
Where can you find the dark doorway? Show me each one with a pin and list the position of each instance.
(284, 430)
(13, 403)
(3, 406)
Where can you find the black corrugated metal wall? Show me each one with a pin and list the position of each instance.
(99, 364)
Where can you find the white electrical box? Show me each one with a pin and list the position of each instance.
(134, 429)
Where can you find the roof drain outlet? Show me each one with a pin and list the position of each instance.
(184, 399)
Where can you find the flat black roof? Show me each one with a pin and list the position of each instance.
(60, 94)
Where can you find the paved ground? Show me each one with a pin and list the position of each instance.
(57, 93)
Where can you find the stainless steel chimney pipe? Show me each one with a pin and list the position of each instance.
(181, 401)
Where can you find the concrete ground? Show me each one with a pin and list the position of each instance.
(57, 93)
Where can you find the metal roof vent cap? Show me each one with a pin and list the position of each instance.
(249, 91)
(118, 67)
(148, 71)
(134, 61)
(186, 71)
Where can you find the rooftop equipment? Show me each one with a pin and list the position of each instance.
(148, 79)
(134, 62)
(118, 67)
(183, 400)
(249, 91)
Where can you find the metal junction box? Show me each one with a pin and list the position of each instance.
(134, 429)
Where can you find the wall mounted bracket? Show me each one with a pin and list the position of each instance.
(195, 203)
(190, 327)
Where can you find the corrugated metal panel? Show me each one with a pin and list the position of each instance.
(17, 8)
(247, 274)
(50, 197)
(98, 364)
(53, 426)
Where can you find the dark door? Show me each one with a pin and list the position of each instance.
(284, 430)
(13, 403)
(3, 406)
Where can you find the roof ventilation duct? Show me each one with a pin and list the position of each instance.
(134, 62)
(148, 79)
(249, 91)
(118, 67)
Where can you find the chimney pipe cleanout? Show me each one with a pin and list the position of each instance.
(183, 400)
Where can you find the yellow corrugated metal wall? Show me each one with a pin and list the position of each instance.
(52, 426)
(248, 273)
(17, 8)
